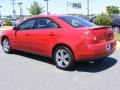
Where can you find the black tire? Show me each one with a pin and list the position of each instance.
(69, 60)
(9, 49)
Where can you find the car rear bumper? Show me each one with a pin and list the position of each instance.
(96, 51)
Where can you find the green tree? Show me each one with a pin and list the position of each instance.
(35, 8)
(7, 22)
(103, 19)
(113, 10)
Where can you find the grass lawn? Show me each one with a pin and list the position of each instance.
(6, 27)
(117, 36)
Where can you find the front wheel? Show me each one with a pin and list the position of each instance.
(6, 45)
(64, 58)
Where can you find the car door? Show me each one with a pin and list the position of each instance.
(23, 35)
(46, 30)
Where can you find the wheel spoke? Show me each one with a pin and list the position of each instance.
(66, 56)
(8, 46)
(61, 62)
(62, 53)
(7, 42)
(58, 56)
(65, 62)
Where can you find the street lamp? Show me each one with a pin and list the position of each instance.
(0, 11)
(88, 8)
(47, 6)
(20, 8)
(14, 12)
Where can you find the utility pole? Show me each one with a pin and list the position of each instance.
(20, 8)
(74, 5)
(47, 6)
(88, 8)
(68, 4)
(67, 7)
(0, 11)
(14, 12)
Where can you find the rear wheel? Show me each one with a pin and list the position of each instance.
(6, 45)
(63, 58)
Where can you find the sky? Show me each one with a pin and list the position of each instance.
(59, 6)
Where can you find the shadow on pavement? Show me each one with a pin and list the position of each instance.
(35, 57)
(99, 66)
(80, 67)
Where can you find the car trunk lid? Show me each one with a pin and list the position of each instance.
(99, 34)
(103, 33)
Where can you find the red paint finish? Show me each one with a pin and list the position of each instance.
(86, 43)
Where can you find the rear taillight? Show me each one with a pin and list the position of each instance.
(110, 34)
(88, 37)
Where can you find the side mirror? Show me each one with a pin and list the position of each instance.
(15, 28)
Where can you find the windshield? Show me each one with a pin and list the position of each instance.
(77, 22)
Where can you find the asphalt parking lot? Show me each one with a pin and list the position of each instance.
(23, 71)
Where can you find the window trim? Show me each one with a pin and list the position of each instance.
(82, 25)
(49, 19)
(25, 22)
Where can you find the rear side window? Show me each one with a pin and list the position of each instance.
(77, 22)
(45, 23)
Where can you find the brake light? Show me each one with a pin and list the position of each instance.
(89, 37)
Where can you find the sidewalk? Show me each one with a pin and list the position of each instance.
(118, 44)
(6, 27)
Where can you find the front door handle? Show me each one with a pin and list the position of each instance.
(52, 34)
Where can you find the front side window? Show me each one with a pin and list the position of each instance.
(29, 24)
(45, 23)
(77, 22)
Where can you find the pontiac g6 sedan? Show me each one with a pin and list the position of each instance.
(66, 39)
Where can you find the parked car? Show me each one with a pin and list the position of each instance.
(66, 39)
(92, 18)
(115, 22)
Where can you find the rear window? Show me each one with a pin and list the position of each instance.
(77, 22)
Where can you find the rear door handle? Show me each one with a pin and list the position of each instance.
(52, 34)
(27, 35)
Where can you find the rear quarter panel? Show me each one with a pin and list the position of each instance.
(70, 38)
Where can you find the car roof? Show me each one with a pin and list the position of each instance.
(47, 16)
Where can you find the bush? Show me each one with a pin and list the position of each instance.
(103, 19)
(7, 22)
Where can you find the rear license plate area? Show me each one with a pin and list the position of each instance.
(108, 46)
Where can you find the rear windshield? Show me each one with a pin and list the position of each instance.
(77, 22)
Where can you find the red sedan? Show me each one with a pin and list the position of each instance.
(66, 39)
